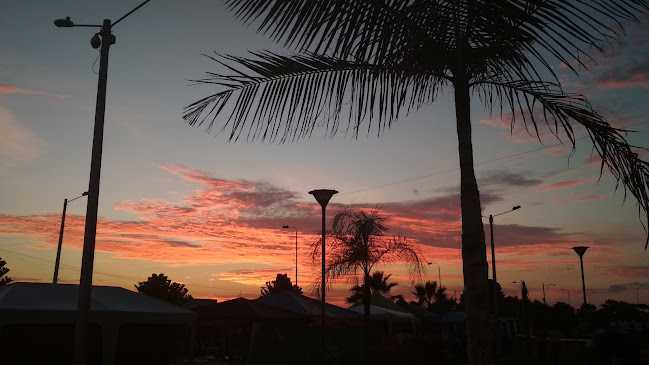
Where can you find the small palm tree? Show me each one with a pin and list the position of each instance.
(378, 283)
(281, 283)
(431, 297)
(369, 61)
(357, 242)
(425, 294)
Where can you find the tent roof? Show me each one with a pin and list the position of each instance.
(419, 312)
(378, 311)
(63, 297)
(241, 308)
(304, 305)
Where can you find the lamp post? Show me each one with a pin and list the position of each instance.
(103, 39)
(58, 250)
(581, 250)
(493, 274)
(323, 196)
(567, 291)
(287, 227)
(549, 285)
(439, 273)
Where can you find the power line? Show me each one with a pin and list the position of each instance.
(70, 267)
(476, 164)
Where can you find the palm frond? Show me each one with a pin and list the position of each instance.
(547, 104)
(568, 30)
(361, 29)
(287, 97)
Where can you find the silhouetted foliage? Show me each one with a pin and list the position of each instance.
(500, 294)
(158, 286)
(613, 310)
(378, 284)
(372, 61)
(3, 271)
(432, 298)
(357, 241)
(281, 283)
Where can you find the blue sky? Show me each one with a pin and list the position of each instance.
(209, 213)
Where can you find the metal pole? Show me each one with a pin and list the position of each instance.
(495, 282)
(583, 283)
(324, 208)
(439, 275)
(58, 250)
(543, 293)
(296, 257)
(87, 261)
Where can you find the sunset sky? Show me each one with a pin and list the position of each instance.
(209, 213)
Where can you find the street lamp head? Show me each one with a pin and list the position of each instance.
(64, 23)
(580, 250)
(516, 207)
(323, 195)
(95, 41)
(285, 227)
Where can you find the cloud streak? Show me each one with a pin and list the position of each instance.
(8, 89)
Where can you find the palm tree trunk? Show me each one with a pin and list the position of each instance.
(474, 254)
(367, 296)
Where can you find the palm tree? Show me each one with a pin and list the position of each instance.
(431, 297)
(159, 286)
(425, 294)
(357, 243)
(281, 283)
(378, 283)
(369, 61)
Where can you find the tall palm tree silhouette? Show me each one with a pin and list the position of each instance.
(370, 61)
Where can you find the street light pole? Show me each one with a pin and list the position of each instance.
(287, 227)
(58, 250)
(87, 260)
(493, 275)
(549, 285)
(323, 196)
(581, 250)
(439, 273)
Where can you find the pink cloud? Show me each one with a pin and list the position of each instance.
(238, 222)
(617, 81)
(629, 271)
(565, 184)
(7, 89)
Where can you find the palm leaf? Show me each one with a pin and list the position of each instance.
(548, 104)
(287, 97)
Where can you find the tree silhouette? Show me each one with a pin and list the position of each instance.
(357, 242)
(3, 271)
(378, 283)
(281, 283)
(500, 295)
(431, 297)
(158, 286)
(370, 61)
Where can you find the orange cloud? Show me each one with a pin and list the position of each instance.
(238, 223)
(7, 89)
(565, 184)
(629, 271)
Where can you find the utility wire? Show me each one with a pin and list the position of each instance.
(70, 267)
(475, 164)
